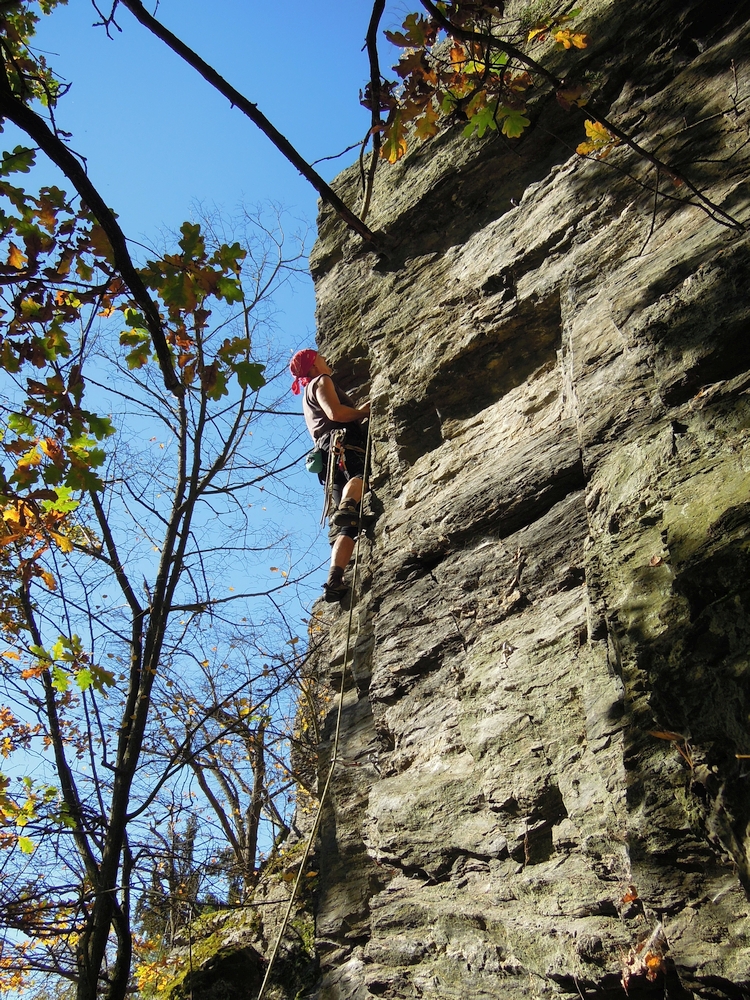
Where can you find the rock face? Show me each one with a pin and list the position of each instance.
(543, 784)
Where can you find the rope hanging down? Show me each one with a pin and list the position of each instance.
(336, 738)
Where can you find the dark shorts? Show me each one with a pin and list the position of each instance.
(354, 469)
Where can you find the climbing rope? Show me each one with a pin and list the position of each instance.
(336, 738)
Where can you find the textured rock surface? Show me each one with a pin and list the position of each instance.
(560, 563)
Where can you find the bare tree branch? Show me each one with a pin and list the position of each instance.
(257, 117)
(371, 40)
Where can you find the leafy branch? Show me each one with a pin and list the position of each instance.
(481, 85)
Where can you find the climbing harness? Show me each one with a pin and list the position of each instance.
(337, 734)
(337, 449)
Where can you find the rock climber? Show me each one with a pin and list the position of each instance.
(327, 408)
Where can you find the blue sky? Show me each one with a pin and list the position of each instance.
(157, 138)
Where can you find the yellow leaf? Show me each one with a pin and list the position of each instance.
(15, 257)
(394, 146)
(49, 580)
(426, 124)
(566, 38)
(32, 457)
(601, 141)
(64, 543)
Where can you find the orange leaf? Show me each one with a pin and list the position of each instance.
(631, 895)
(15, 257)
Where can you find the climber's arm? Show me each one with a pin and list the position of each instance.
(332, 406)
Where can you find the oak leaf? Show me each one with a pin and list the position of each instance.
(600, 143)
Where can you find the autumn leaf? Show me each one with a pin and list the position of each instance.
(394, 146)
(631, 895)
(663, 734)
(27, 845)
(414, 63)
(566, 38)
(655, 965)
(15, 257)
(417, 32)
(63, 543)
(572, 96)
(100, 243)
(601, 141)
(426, 124)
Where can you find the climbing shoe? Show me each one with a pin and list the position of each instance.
(334, 588)
(347, 515)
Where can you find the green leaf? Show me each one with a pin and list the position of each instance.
(101, 427)
(101, 678)
(228, 256)
(61, 649)
(229, 289)
(135, 319)
(22, 424)
(484, 119)
(250, 375)
(192, 244)
(59, 679)
(137, 358)
(64, 503)
(84, 678)
(27, 845)
(514, 124)
(21, 160)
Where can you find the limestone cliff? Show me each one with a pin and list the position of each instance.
(544, 779)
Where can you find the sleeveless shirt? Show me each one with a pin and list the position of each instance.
(318, 422)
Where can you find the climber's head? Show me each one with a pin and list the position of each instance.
(301, 366)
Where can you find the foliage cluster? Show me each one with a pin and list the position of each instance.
(464, 60)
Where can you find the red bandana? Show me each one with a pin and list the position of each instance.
(300, 366)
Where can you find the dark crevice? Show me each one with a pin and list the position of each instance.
(508, 347)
